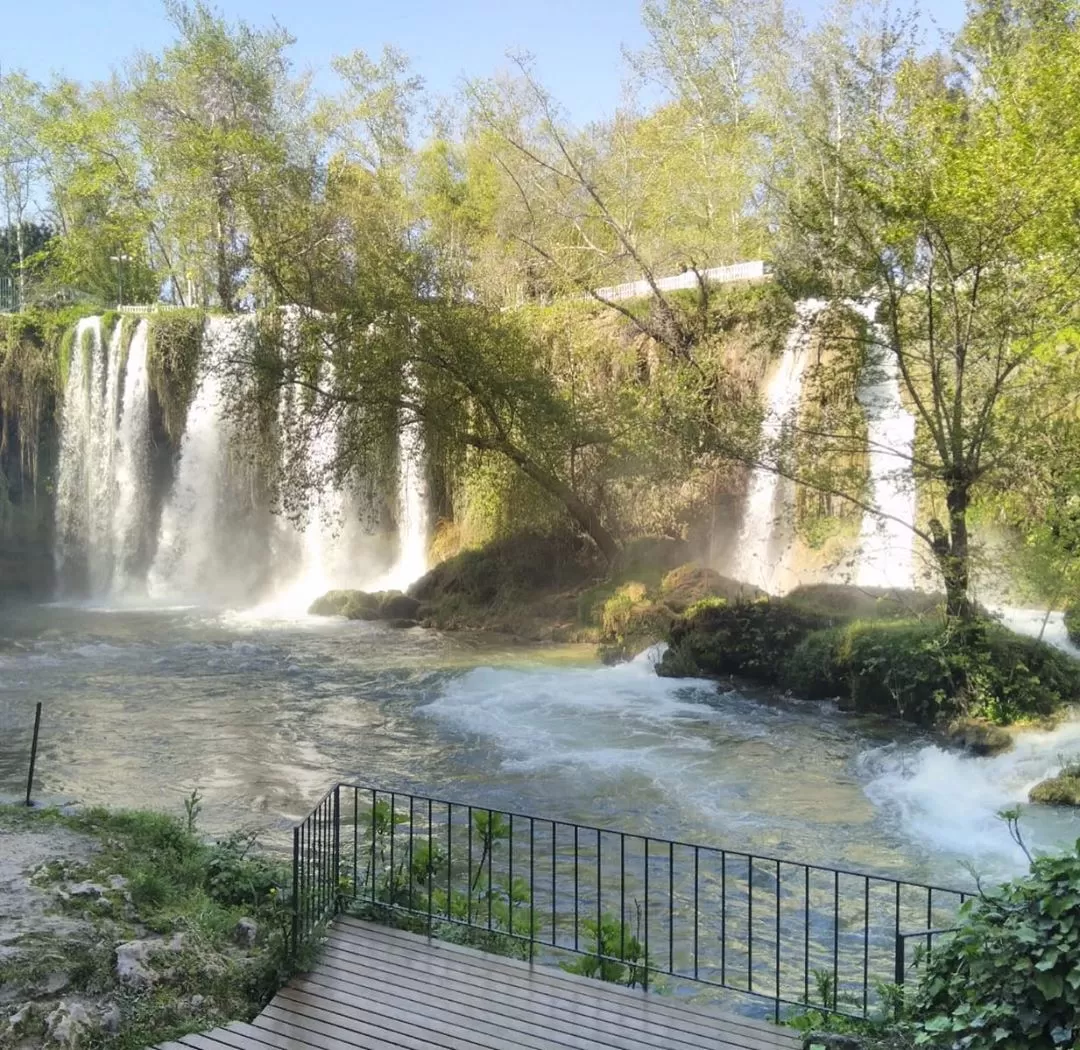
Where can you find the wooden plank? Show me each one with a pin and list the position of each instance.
(402, 1016)
(366, 932)
(383, 942)
(349, 1028)
(218, 1039)
(532, 982)
(493, 1010)
(606, 1028)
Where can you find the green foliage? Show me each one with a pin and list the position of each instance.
(620, 955)
(173, 350)
(1072, 623)
(1009, 978)
(919, 670)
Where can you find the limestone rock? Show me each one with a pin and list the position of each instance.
(20, 1020)
(111, 1018)
(979, 736)
(133, 959)
(1062, 790)
(68, 1026)
(86, 890)
(396, 606)
(246, 933)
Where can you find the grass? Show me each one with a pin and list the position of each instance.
(176, 883)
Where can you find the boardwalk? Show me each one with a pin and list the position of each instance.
(376, 987)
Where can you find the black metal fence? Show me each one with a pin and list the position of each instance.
(624, 907)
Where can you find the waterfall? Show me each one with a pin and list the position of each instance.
(886, 542)
(216, 539)
(198, 557)
(103, 475)
(758, 550)
(132, 470)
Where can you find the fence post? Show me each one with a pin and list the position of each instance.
(900, 950)
(295, 892)
(33, 752)
(336, 865)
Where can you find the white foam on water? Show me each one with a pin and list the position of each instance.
(949, 800)
(602, 721)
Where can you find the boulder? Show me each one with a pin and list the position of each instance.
(693, 582)
(69, 1025)
(979, 736)
(1062, 790)
(133, 958)
(111, 1018)
(86, 890)
(246, 933)
(393, 605)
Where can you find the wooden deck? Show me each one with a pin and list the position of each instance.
(376, 987)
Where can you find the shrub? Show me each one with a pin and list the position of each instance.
(1009, 979)
(813, 669)
(717, 637)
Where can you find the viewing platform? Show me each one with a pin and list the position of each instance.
(378, 987)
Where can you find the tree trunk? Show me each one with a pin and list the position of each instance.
(583, 515)
(953, 551)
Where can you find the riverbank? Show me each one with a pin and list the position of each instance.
(126, 928)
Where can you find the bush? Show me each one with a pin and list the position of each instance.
(1009, 979)
(918, 670)
(717, 637)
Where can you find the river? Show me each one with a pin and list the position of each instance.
(261, 714)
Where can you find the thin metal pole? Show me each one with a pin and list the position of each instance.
(337, 849)
(33, 752)
(295, 890)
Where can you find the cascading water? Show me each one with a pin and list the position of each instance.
(197, 558)
(132, 470)
(757, 555)
(104, 460)
(887, 538)
(412, 560)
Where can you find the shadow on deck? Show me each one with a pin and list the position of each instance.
(377, 987)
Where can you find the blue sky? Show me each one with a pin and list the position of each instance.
(577, 43)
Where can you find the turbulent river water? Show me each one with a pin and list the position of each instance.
(261, 715)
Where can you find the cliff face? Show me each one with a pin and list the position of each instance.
(29, 381)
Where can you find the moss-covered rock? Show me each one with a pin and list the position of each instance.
(979, 736)
(1062, 790)
(393, 605)
(361, 605)
(922, 670)
(173, 350)
(693, 582)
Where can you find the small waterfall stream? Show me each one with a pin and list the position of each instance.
(887, 540)
(758, 556)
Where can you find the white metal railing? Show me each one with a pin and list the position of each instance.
(744, 271)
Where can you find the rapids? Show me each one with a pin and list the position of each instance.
(143, 705)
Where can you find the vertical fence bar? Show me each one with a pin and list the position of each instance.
(510, 879)
(836, 937)
(490, 847)
(723, 917)
(412, 862)
(355, 843)
(430, 865)
(806, 934)
(776, 1013)
(646, 895)
(337, 847)
(373, 889)
(671, 907)
(532, 886)
(33, 753)
(554, 886)
(393, 835)
(750, 924)
(622, 895)
(295, 891)
(599, 891)
(696, 867)
(576, 894)
(469, 879)
(866, 947)
(929, 916)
